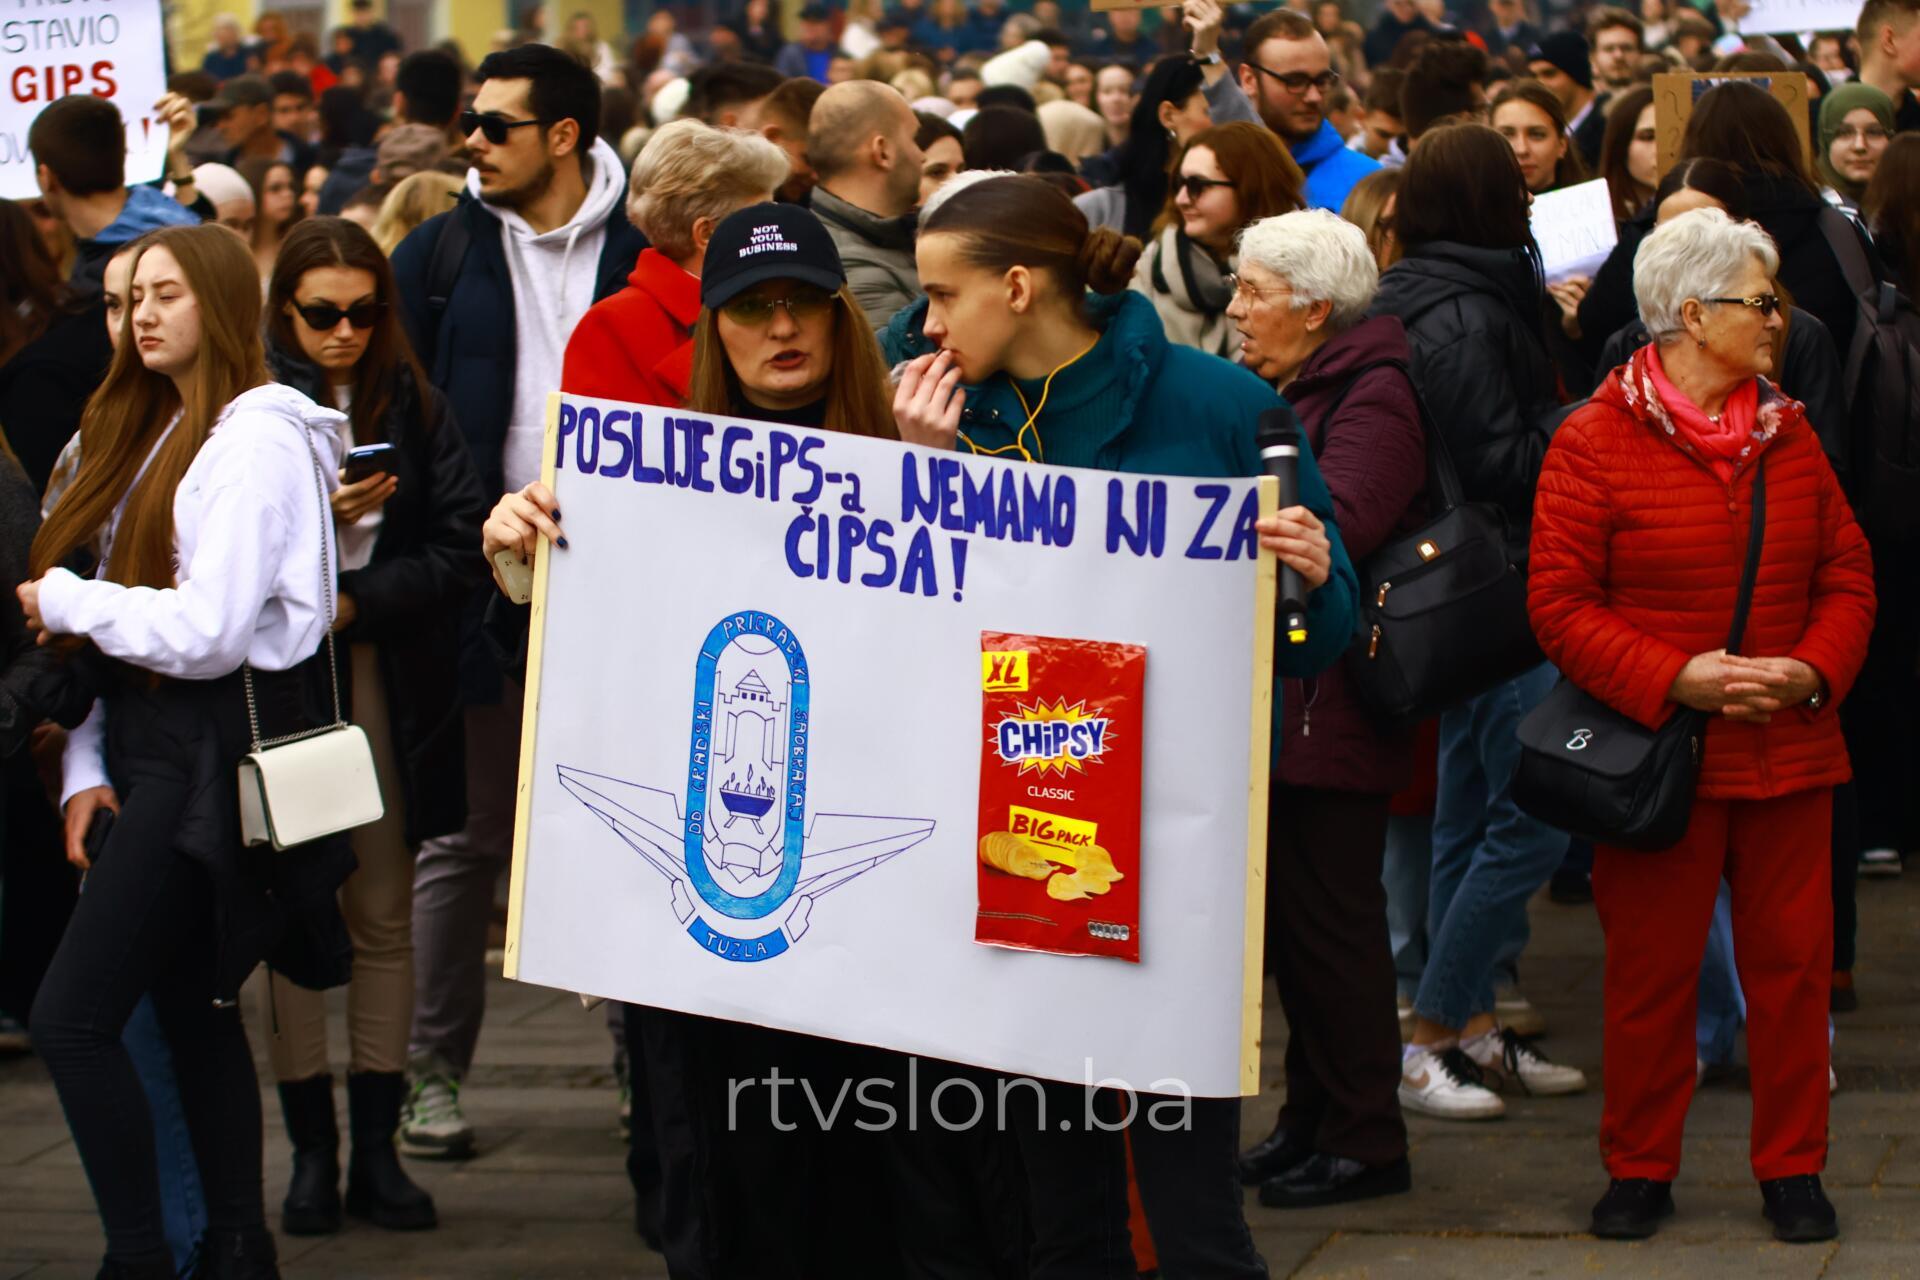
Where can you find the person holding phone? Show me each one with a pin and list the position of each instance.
(204, 486)
(407, 511)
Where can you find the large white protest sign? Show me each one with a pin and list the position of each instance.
(1575, 229)
(805, 609)
(115, 49)
(1774, 17)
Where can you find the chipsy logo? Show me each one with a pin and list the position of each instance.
(1040, 736)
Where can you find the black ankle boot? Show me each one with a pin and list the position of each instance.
(1799, 1209)
(237, 1255)
(378, 1189)
(312, 1206)
(1632, 1208)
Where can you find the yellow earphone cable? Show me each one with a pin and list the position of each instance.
(1033, 416)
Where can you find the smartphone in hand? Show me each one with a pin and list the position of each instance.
(369, 460)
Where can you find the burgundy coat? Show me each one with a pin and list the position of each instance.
(1374, 458)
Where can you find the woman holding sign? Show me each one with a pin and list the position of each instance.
(1010, 354)
(778, 338)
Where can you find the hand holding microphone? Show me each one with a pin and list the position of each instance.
(1293, 533)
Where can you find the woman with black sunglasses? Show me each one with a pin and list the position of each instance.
(1225, 179)
(407, 511)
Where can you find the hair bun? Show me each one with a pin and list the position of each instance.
(1107, 258)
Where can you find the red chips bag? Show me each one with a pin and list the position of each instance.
(1060, 795)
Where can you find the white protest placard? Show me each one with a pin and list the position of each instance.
(115, 49)
(1575, 229)
(811, 604)
(1777, 17)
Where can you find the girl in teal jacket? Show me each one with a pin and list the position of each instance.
(1009, 355)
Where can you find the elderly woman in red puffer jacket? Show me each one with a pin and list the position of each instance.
(1640, 530)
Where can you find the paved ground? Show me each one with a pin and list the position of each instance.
(547, 1196)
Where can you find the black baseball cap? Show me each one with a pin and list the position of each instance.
(768, 242)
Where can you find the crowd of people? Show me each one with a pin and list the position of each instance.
(268, 423)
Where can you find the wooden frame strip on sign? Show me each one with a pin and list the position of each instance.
(1259, 776)
(530, 707)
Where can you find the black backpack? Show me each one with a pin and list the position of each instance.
(1882, 389)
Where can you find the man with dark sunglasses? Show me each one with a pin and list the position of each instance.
(490, 292)
(1288, 73)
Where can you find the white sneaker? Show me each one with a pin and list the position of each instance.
(1833, 1082)
(1512, 1009)
(432, 1126)
(1880, 862)
(1507, 1060)
(1446, 1083)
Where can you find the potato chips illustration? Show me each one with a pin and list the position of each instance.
(1060, 795)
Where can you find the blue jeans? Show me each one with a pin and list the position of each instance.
(183, 1209)
(1408, 864)
(1723, 1006)
(1488, 856)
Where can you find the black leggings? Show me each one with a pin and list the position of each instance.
(145, 925)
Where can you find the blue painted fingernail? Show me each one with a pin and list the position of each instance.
(563, 544)
(556, 515)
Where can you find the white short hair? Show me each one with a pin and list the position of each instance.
(1323, 257)
(1700, 254)
(689, 171)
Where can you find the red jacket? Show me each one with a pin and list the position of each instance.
(637, 345)
(1637, 552)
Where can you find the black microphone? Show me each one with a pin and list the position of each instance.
(1280, 444)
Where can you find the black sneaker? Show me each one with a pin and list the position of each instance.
(1632, 1209)
(1798, 1209)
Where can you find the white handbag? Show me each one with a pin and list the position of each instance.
(318, 783)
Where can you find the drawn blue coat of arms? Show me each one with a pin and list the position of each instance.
(744, 865)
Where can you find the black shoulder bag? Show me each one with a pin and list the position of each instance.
(1595, 773)
(1443, 610)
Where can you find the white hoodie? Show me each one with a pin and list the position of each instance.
(553, 276)
(248, 524)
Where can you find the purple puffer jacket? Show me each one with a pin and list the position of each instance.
(1374, 458)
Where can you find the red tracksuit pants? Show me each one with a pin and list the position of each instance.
(1655, 909)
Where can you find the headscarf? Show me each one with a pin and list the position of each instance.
(1833, 111)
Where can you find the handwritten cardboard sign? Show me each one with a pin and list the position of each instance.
(1575, 229)
(1771, 17)
(1675, 94)
(115, 49)
(750, 775)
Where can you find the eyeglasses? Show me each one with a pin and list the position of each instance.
(1767, 304)
(493, 127)
(1297, 82)
(323, 316)
(1196, 186)
(1239, 285)
(1868, 133)
(802, 302)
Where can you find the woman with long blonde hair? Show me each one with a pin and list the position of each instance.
(412, 201)
(204, 485)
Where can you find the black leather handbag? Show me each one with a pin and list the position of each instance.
(1443, 610)
(1593, 772)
